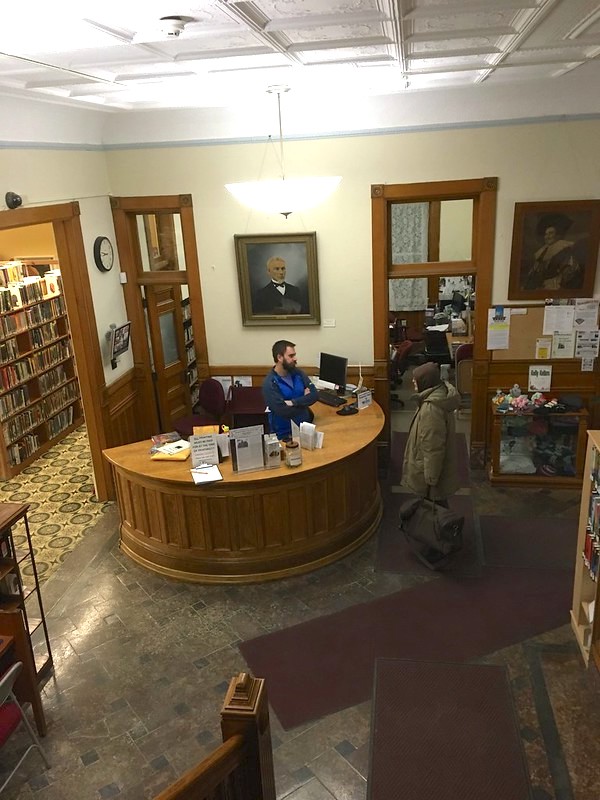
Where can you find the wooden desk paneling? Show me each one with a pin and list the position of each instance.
(253, 526)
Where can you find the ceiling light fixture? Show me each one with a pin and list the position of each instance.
(283, 195)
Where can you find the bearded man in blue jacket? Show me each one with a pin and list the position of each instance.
(288, 391)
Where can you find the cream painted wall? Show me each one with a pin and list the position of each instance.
(32, 241)
(552, 161)
(45, 177)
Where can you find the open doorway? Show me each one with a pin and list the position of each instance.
(441, 233)
(40, 397)
(431, 320)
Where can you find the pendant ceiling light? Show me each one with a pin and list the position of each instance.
(283, 195)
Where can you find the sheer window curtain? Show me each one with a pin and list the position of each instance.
(410, 225)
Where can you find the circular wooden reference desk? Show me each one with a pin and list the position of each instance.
(253, 526)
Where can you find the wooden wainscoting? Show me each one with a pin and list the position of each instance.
(124, 420)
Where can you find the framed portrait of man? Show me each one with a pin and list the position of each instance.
(554, 249)
(277, 276)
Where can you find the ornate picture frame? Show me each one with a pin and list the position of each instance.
(277, 275)
(554, 249)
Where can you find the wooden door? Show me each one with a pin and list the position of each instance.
(168, 353)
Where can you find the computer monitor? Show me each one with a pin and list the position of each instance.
(332, 369)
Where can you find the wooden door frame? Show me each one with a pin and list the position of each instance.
(482, 191)
(70, 251)
(124, 210)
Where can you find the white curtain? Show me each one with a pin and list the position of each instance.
(410, 225)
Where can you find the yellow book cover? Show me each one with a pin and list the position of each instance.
(200, 430)
(181, 455)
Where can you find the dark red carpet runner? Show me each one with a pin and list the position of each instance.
(327, 664)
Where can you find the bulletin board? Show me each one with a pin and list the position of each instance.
(524, 330)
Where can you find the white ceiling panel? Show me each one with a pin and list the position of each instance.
(144, 54)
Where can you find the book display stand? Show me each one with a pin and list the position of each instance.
(584, 614)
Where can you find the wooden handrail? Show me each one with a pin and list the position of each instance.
(242, 767)
(201, 781)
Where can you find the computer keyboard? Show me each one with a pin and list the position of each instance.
(330, 399)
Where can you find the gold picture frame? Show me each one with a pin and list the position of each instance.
(263, 262)
(554, 249)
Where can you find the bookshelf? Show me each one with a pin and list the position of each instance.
(40, 402)
(20, 589)
(586, 585)
(191, 371)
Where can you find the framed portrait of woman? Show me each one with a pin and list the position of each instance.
(554, 249)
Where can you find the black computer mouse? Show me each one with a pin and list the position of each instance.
(345, 410)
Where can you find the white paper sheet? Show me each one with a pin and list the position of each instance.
(498, 331)
(563, 345)
(586, 315)
(540, 378)
(586, 345)
(558, 318)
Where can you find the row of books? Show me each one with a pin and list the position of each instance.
(51, 379)
(40, 411)
(594, 512)
(591, 553)
(22, 319)
(31, 289)
(45, 334)
(61, 421)
(21, 294)
(14, 401)
(19, 371)
(21, 450)
(8, 351)
(38, 337)
(595, 467)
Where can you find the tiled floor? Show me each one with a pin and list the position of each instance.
(142, 663)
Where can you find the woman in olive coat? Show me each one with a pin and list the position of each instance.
(429, 467)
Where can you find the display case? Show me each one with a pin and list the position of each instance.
(585, 588)
(538, 449)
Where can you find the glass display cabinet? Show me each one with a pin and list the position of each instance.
(532, 449)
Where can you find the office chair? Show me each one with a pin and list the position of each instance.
(463, 374)
(399, 362)
(11, 716)
(211, 398)
(436, 347)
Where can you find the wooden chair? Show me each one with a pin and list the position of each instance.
(463, 371)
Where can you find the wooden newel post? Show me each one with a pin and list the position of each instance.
(246, 712)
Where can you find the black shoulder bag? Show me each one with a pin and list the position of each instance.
(434, 533)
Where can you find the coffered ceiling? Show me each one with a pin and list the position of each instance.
(123, 54)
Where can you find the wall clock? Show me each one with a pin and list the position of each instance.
(104, 255)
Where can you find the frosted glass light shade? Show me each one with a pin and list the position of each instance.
(284, 196)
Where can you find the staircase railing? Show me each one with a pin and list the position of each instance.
(242, 767)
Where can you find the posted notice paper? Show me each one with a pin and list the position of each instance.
(563, 345)
(498, 328)
(543, 347)
(540, 378)
(586, 345)
(558, 318)
(586, 315)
